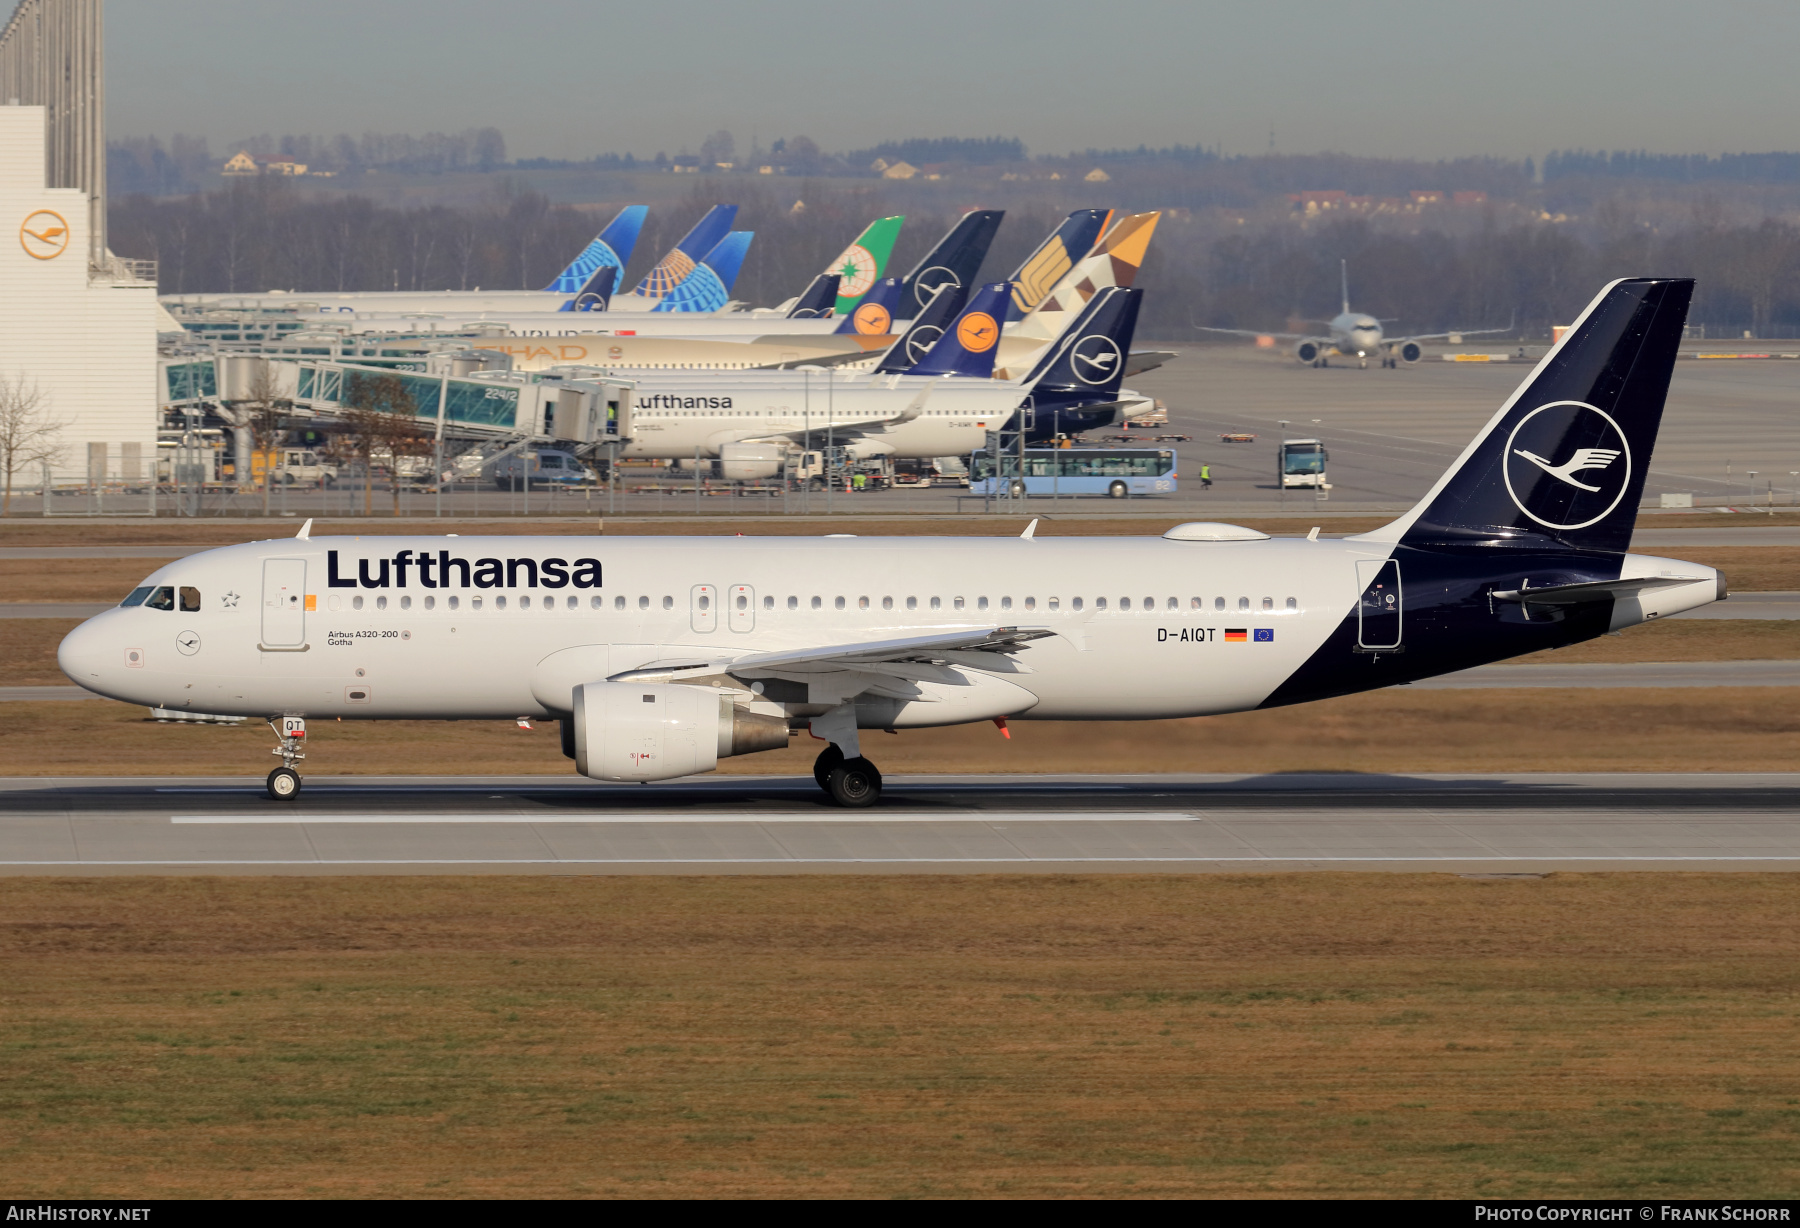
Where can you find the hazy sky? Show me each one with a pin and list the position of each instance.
(570, 78)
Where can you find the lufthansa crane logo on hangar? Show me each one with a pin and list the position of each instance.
(1567, 464)
(44, 235)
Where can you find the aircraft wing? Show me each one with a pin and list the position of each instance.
(1255, 332)
(1458, 332)
(920, 649)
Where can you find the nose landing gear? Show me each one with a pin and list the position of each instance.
(852, 783)
(284, 782)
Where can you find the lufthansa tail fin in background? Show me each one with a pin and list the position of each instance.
(818, 300)
(874, 316)
(1564, 460)
(611, 248)
(708, 287)
(967, 349)
(910, 350)
(956, 258)
(597, 293)
(1088, 363)
(685, 256)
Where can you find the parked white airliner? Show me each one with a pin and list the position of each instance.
(660, 656)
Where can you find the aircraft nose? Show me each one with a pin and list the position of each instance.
(90, 656)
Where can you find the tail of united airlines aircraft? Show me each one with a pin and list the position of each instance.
(967, 350)
(864, 262)
(685, 256)
(874, 316)
(1563, 462)
(597, 293)
(611, 248)
(914, 344)
(818, 301)
(708, 287)
(955, 259)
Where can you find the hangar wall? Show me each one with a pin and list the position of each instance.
(83, 329)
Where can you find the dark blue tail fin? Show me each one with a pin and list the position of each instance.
(873, 315)
(968, 348)
(818, 301)
(1564, 461)
(923, 333)
(1087, 363)
(597, 293)
(956, 259)
(612, 246)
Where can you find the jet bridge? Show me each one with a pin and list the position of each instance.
(459, 388)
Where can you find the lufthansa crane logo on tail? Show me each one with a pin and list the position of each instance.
(1567, 464)
(1096, 359)
(931, 280)
(920, 341)
(44, 235)
(872, 319)
(977, 332)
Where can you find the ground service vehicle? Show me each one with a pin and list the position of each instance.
(1301, 462)
(1116, 472)
(542, 466)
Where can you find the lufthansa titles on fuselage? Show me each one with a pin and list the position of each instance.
(445, 570)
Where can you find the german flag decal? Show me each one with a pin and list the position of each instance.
(1236, 635)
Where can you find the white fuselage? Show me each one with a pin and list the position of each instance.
(1138, 625)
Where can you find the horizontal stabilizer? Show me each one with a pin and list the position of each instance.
(1599, 590)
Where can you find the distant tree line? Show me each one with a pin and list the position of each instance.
(145, 164)
(1676, 168)
(1203, 269)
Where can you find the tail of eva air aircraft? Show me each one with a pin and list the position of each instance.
(1522, 545)
(611, 248)
(708, 287)
(864, 262)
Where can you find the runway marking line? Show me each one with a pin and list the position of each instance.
(962, 816)
(856, 861)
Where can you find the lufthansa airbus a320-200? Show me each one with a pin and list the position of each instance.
(661, 656)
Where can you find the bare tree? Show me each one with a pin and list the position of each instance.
(265, 412)
(29, 434)
(380, 419)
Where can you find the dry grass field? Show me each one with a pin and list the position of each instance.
(1697, 729)
(1306, 1035)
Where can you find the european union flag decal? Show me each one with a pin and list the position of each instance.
(1265, 635)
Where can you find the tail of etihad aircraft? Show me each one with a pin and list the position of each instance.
(1054, 257)
(611, 248)
(1114, 261)
(967, 349)
(708, 287)
(685, 256)
(1522, 544)
(865, 261)
(954, 259)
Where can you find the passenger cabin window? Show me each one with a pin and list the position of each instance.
(162, 599)
(1292, 604)
(1075, 603)
(190, 600)
(1268, 603)
(136, 596)
(1243, 603)
(1218, 603)
(1124, 603)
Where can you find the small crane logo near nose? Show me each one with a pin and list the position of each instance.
(188, 643)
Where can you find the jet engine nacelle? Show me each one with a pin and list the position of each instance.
(659, 730)
(748, 462)
(1308, 351)
(1409, 352)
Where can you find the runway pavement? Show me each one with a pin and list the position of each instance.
(1526, 824)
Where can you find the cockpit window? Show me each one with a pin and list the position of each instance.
(162, 599)
(136, 596)
(190, 600)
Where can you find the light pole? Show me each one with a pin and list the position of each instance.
(1752, 474)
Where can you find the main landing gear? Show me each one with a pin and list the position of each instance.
(284, 782)
(853, 783)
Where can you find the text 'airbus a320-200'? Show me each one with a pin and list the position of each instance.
(662, 656)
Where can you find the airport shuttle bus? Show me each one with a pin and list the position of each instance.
(660, 656)
(1301, 462)
(1115, 472)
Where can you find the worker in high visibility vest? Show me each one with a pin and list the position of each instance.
(1206, 477)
